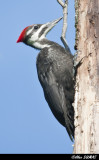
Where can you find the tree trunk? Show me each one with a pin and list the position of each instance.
(87, 80)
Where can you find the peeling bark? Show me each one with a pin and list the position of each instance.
(87, 80)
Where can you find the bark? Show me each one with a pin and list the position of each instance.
(87, 79)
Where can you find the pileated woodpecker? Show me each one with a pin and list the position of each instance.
(55, 72)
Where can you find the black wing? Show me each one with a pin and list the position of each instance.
(55, 95)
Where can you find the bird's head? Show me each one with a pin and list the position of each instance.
(34, 34)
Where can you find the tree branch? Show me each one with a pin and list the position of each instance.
(61, 3)
(64, 29)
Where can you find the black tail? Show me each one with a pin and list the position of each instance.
(69, 121)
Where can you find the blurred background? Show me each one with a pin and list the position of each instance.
(26, 122)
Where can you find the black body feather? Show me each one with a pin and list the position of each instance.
(55, 73)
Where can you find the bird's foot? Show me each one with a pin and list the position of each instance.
(77, 64)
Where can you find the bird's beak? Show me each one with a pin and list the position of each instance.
(50, 25)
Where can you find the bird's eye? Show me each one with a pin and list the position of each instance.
(35, 27)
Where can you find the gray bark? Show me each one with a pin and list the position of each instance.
(86, 103)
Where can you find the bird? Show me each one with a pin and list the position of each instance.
(55, 72)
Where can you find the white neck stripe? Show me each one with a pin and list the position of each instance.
(40, 46)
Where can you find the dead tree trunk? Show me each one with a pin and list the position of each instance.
(87, 80)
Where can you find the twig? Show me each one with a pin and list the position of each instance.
(64, 29)
(61, 3)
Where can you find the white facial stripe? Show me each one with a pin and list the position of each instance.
(35, 40)
(40, 46)
(35, 35)
(43, 36)
(28, 32)
(46, 31)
